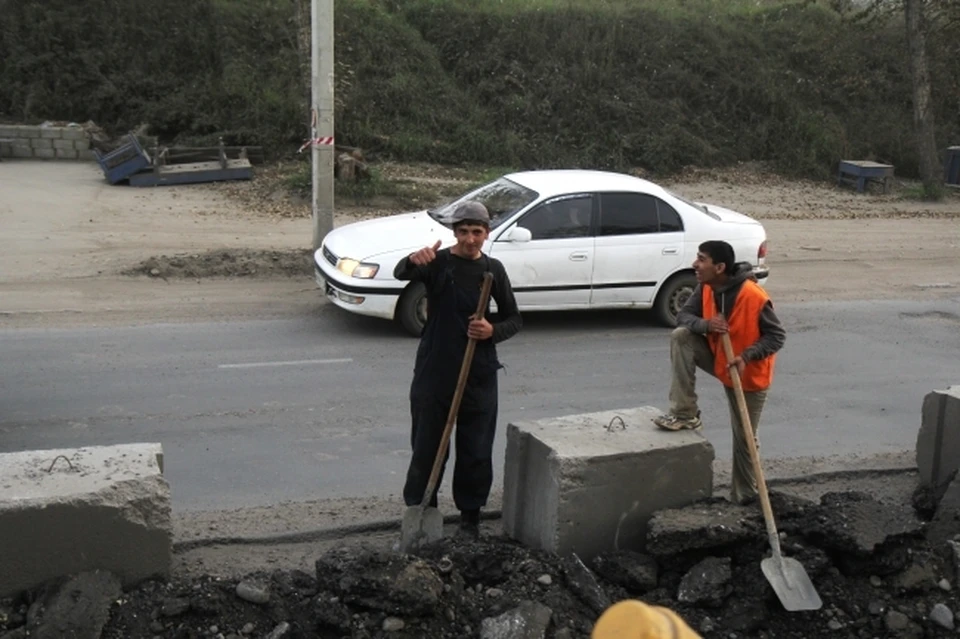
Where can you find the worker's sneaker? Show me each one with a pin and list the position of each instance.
(672, 422)
(469, 525)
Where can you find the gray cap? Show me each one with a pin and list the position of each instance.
(470, 211)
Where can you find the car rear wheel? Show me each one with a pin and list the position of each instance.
(673, 296)
(412, 308)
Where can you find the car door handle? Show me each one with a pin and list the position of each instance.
(671, 250)
(578, 257)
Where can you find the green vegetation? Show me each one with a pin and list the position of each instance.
(387, 189)
(299, 180)
(521, 83)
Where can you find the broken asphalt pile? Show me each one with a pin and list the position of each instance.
(875, 565)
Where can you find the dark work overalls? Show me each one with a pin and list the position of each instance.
(437, 368)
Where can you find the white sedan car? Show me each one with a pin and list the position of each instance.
(569, 239)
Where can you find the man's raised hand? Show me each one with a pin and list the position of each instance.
(425, 255)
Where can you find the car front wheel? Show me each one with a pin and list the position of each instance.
(673, 296)
(412, 308)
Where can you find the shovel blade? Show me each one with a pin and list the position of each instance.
(420, 526)
(791, 583)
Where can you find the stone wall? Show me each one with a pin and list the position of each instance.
(45, 142)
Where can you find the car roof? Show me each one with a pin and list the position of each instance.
(551, 182)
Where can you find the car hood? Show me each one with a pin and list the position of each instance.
(728, 215)
(402, 233)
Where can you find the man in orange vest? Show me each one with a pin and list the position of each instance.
(727, 300)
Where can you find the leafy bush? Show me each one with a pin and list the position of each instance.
(525, 83)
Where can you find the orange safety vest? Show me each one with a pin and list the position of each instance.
(744, 322)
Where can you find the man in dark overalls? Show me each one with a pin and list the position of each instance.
(453, 278)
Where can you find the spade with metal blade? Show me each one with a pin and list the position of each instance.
(423, 524)
(787, 576)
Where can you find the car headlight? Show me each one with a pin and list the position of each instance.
(353, 268)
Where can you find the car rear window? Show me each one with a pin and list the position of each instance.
(670, 221)
(628, 214)
(699, 207)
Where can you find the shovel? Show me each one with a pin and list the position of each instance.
(423, 524)
(787, 576)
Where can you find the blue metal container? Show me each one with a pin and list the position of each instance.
(124, 161)
(951, 166)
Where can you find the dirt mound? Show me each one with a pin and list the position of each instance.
(872, 584)
(227, 263)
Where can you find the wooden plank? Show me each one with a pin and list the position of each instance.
(194, 173)
(864, 171)
(866, 164)
(250, 149)
(869, 169)
(175, 156)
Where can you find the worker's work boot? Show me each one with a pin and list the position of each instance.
(672, 422)
(469, 525)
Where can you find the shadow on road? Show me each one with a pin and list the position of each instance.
(599, 321)
(534, 322)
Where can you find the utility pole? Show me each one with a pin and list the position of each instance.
(321, 117)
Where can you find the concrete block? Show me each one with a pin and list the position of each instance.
(64, 144)
(74, 133)
(51, 132)
(45, 154)
(946, 521)
(81, 145)
(6, 149)
(590, 483)
(41, 143)
(66, 154)
(22, 151)
(22, 131)
(68, 511)
(938, 442)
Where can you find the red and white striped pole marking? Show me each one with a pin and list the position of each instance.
(321, 141)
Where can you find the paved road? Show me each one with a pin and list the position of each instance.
(257, 412)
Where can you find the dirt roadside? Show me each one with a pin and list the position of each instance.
(69, 236)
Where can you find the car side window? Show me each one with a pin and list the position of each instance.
(670, 221)
(565, 218)
(628, 214)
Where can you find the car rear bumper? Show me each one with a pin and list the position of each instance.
(762, 273)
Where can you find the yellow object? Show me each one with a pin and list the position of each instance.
(632, 619)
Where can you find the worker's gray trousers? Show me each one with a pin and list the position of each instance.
(689, 351)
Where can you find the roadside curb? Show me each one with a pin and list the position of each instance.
(306, 536)
(392, 525)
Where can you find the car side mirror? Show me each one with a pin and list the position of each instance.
(517, 234)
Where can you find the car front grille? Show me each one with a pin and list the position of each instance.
(328, 254)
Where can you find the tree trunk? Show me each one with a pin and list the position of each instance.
(922, 115)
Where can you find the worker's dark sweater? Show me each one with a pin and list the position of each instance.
(468, 274)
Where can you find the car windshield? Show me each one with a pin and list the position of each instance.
(502, 197)
(699, 207)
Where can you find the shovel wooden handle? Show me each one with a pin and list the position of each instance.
(752, 447)
(458, 393)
